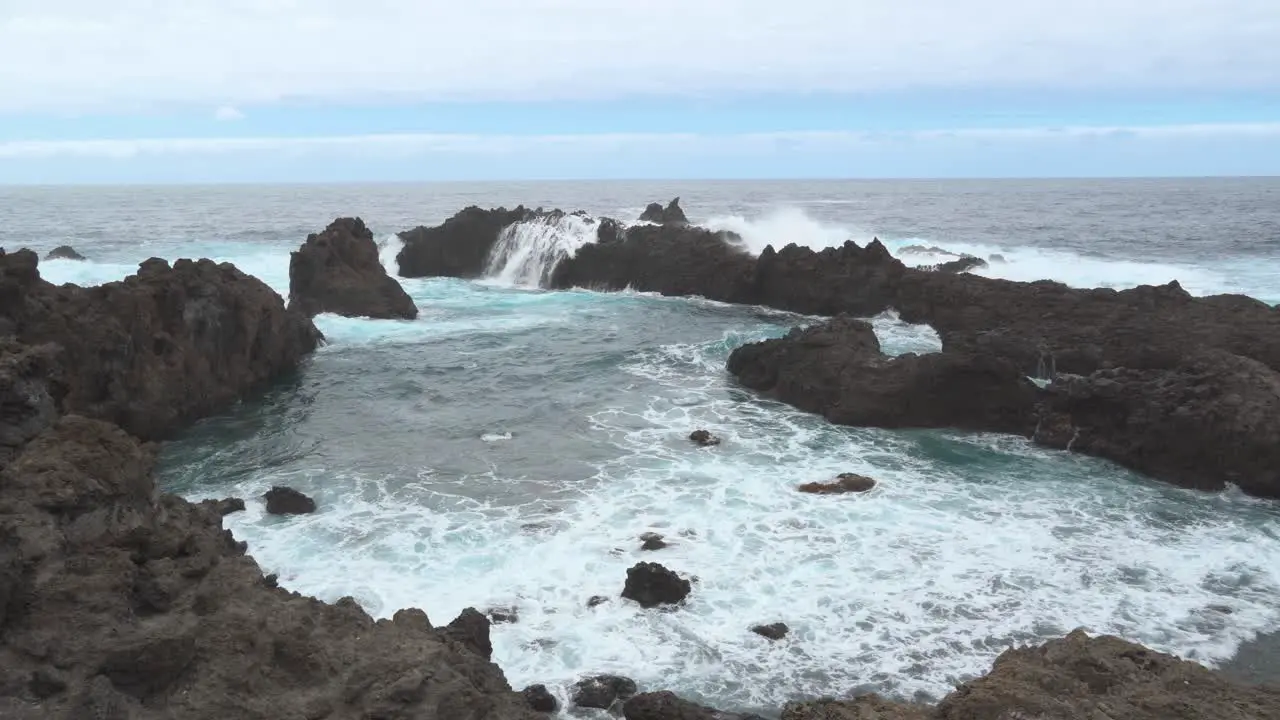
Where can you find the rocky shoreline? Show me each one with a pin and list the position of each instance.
(118, 601)
(1184, 389)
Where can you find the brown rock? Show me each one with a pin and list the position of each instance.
(338, 271)
(844, 483)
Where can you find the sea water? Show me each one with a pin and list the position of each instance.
(508, 447)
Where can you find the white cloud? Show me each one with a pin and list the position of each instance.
(399, 145)
(226, 113)
(69, 53)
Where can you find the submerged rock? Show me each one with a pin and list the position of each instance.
(844, 483)
(596, 600)
(652, 541)
(603, 691)
(287, 501)
(540, 699)
(775, 631)
(651, 585)
(64, 252)
(338, 271)
(670, 215)
(703, 438)
(502, 615)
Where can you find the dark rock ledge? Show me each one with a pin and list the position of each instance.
(118, 601)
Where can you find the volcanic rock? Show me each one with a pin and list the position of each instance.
(669, 706)
(666, 259)
(844, 483)
(287, 501)
(652, 541)
(866, 707)
(596, 600)
(64, 252)
(836, 369)
(602, 691)
(775, 631)
(338, 271)
(459, 247)
(159, 349)
(502, 615)
(119, 601)
(959, 265)
(471, 629)
(651, 585)
(540, 699)
(703, 438)
(1214, 419)
(671, 215)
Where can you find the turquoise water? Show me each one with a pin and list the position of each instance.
(509, 445)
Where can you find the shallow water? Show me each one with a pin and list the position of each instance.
(510, 445)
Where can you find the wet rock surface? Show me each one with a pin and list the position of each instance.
(836, 369)
(843, 483)
(64, 252)
(157, 350)
(287, 501)
(540, 699)
(703, 438)
(458, 247)
(669, 706)
(1215, 419)
(651, 585)
(338, 271)
(672, 214)
(119, 601)
(602, 692)
(774, 631)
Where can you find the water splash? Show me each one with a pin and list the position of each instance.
(528, 252)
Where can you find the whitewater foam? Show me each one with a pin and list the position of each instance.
(781, 227)
(970, 543)
(527, 252)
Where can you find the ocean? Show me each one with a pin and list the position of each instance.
(508, 447)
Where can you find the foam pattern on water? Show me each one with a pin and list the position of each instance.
(969, 543)
(526, 253)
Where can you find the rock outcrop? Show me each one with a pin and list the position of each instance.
(287, 501)
(159, 349)
(459, 247)
(602, 692)
(1213, 419)
(959, 265)
(836, 369)
(773, 631)
(64, 252)
(338, 271)
(843, 483)
(1070, 678)
(672, 214)
(119, 601)
(651, 585)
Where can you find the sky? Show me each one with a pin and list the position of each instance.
(151, 91)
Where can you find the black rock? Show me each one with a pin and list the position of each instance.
(671, 215)
(64, 252)
(597, 600)
(651, 585)
(502, 615)
(775, 631)
(287, 501)
(472, 630)
(540, 699)
(704, 438)
(652, 541)
(602, 691)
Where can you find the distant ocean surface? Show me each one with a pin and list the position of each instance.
(507, 448)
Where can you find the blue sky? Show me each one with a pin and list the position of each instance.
(331, 90)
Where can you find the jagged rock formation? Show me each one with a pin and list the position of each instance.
(651, 585)
(64, 252)
(338, 271)
(836, 369)
(459, 247)
(672, 214)
(158, 349)
(121, 602)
